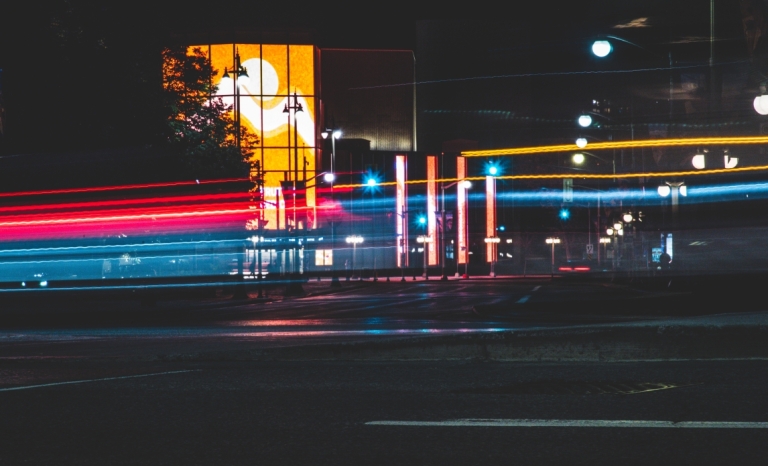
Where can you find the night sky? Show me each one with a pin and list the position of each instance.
(84, 75)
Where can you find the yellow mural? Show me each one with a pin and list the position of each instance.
(279, 76)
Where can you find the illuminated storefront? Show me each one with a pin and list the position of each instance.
(280, 78)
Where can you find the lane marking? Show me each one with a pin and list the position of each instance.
(536, 288)
(575, 423)
(26, 387)
(523, 299)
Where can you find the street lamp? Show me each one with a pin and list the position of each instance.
(330, 177)
(614, 233)
(296, 108)
(601, 48)
(495, 240)
(239, 76)
(676, 188)
(425, 240)
(585, 120)
(462, 184)
(354, 240)
(580, 157)
(553, 241)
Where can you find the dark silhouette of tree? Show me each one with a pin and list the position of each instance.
(200, 128)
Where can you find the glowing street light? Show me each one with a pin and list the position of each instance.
(329, 177)
(493, 170)
(578, 158)
(585, 121)
(581, 143)
(761, 104)
(371, 182)
(601, 48)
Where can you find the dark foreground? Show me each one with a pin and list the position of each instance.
(228, 412)
(401, 374)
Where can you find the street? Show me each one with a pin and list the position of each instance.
(227, 412)
(177, 383)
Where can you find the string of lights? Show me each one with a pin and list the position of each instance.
(560, 176)
(606, 145)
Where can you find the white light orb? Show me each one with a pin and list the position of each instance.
(329, 177)
(371, 182)
(609, 232)
(617, 226)
(664, 190)
(466, 184)
(581, 143)
(683, 190)
(578, 159)
(627, 218)
(337, 134)
(761, 104)
(698, 161)
(601, 48)
(585, 121)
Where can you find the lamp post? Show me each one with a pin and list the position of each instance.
(552, 241)
(579, 158)
(296, 108)
(615, 232)
(675, 189)
(354, 240)
(330, 177)
(601, 48)
(240, 75)
(425, 240)
(463, 184)
(494, 241)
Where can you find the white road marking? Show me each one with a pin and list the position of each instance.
(536, 288)
(523, 299)
(10, 389)
(574, 423)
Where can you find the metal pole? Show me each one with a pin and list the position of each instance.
(552, 266)
(402, 248)
(425, 257)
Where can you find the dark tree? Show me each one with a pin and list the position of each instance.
(200, 130)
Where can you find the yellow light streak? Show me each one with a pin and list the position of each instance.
(601, 176)
(679, 142)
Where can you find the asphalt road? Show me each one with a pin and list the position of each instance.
(326, 413)
(107, 382)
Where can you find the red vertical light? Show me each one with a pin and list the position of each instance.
(490, 215)
(461, 208)
(400, 208)
(432, 209)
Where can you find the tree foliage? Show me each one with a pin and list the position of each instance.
(201, 129)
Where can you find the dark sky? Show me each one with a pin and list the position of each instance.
(84, 73)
